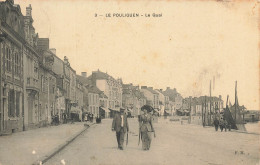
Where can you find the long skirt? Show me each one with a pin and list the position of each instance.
(146, 140)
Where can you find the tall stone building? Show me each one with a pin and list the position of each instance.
(151, 95)
(11, 67)
(31, 72)
(133, 99)
(111, 87)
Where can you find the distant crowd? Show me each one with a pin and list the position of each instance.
(75, 117)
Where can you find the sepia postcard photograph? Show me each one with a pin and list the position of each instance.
(129, 82)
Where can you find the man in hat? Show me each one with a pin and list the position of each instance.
(120, 125)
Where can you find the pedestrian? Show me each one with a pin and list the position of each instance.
(98, 119)
(65, 117)
(88, 117)
(225, 124)
(146, 127)
(83, 117)
(221, 124)
(216, 123)
(120, 125)
(91, 117)
(56, 119)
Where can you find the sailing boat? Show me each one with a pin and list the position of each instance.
(233, 114)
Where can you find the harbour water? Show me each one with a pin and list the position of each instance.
(253, 127)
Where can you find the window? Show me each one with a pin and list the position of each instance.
(89, 99)
(53, 89)
(42, 83)
(17, 61)
(17, 104)
(11, 110)
(35, 70)
(8, 60)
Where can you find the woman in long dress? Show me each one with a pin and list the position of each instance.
(146, 128)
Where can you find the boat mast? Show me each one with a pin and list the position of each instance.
(236, 102)
(202, 113)
(227, 101)
(205, 110)
(210, 103)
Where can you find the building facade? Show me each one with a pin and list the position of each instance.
(31, 73)
(12, 80)
(151, 96)
(111, 87)
(133, 99)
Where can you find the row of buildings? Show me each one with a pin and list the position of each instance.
(35, 84)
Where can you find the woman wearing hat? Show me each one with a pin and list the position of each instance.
(146, 128)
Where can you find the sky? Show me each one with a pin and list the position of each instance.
(192, 43)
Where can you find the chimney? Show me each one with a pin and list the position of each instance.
(150, 88)
(220, 97)
(84, 74)
(161, 90)
(29, 10)
(53, 50)
(168, 88)
(94, 77)
(143, 87)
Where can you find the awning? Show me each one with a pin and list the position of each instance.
(130, 110)
(180, 110)
(85, 110)
(75, 110)
(156, 110)
(105, 109)
(113, 110)
(167, 111)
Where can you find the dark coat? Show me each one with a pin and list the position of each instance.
(216, 122)
(116, 125)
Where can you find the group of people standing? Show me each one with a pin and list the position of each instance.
(121, 127)
(88, 117)
(57, 119)
(222, 123)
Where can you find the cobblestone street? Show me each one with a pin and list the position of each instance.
(174, 144)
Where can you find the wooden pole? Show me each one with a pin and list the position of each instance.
(205, 110)
(236, 102)
(1, 107)
(210, 104)
(202, 113)
(190, 111)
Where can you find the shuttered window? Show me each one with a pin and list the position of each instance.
(17, 104)
(11, 105)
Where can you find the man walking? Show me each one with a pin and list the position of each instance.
(120, 125)
(216, 123)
